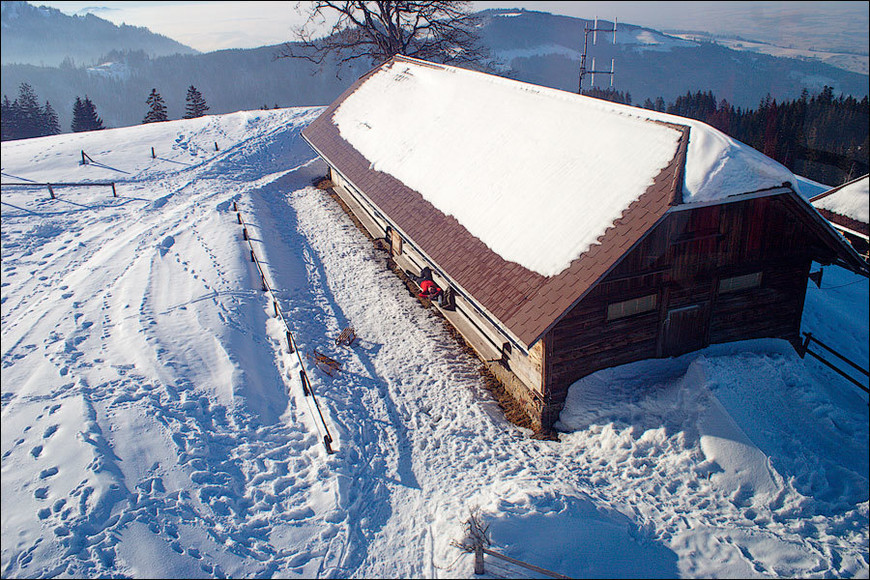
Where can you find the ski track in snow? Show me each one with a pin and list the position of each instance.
(147, 384)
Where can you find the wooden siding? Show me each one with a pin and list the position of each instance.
(682, 261)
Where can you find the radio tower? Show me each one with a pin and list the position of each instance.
(583, 71)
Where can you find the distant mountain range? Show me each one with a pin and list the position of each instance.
(535, 47)
(46, 36)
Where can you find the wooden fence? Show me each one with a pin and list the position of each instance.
(804, 349)
(53, 185)
(307, 388)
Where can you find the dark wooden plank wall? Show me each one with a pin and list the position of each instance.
(682, 261)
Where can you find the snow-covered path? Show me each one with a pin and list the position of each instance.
(154, 424)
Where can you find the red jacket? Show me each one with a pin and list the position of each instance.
(429, 289)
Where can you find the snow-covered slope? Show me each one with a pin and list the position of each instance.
(153, 423)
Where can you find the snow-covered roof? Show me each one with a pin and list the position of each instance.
(537, 174)
(523, 196)
(851, 200)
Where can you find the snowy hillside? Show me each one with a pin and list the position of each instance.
(154, 424)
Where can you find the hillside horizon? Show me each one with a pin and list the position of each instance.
(535, 47)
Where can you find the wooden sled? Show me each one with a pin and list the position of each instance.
(347, 336)
(324, 363)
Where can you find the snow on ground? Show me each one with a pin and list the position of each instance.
(153, 423)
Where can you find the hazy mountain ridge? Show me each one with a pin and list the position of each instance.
(42, 35)
(649, 64)
(530, 46)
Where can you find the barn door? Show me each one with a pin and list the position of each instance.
(685, 330)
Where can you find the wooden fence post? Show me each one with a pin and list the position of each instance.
(51, 191)
(304, 378)
(152, 153)
(290, 342)
(478, 559)
(84, 161)
(114, 193)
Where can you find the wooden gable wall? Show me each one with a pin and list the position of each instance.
(682, 262)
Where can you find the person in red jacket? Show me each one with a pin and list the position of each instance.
(428, 289)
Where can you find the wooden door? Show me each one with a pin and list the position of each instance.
(685, 330)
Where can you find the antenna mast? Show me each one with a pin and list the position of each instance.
(583, 70)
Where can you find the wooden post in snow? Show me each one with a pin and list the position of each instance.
(478, 559)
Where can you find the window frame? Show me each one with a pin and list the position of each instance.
(733, 284)
(634, 306)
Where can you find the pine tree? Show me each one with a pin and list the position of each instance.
(50, 123)
(157, 108)
(85, 116)
(91, 116)
(9, 119)
(77, 125)
(29, 113)
(196, 106)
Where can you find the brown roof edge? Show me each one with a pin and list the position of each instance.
(682, 149)
(836, 189)
(586, 271)
(845, 221)
(842, 248)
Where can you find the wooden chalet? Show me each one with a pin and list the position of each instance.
(847, 207)
(672, 270)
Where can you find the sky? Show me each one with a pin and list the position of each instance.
(154, 422)
(220, 25)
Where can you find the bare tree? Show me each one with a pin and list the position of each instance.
(439, 31)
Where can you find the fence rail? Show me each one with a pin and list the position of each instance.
(307, 388)
(52, 185)
(525, 565)
(804, 349)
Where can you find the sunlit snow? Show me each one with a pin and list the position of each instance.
(537, 174)
(154, 424)
(851, 200)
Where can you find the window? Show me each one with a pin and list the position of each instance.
(629, 307)
(738, 283)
